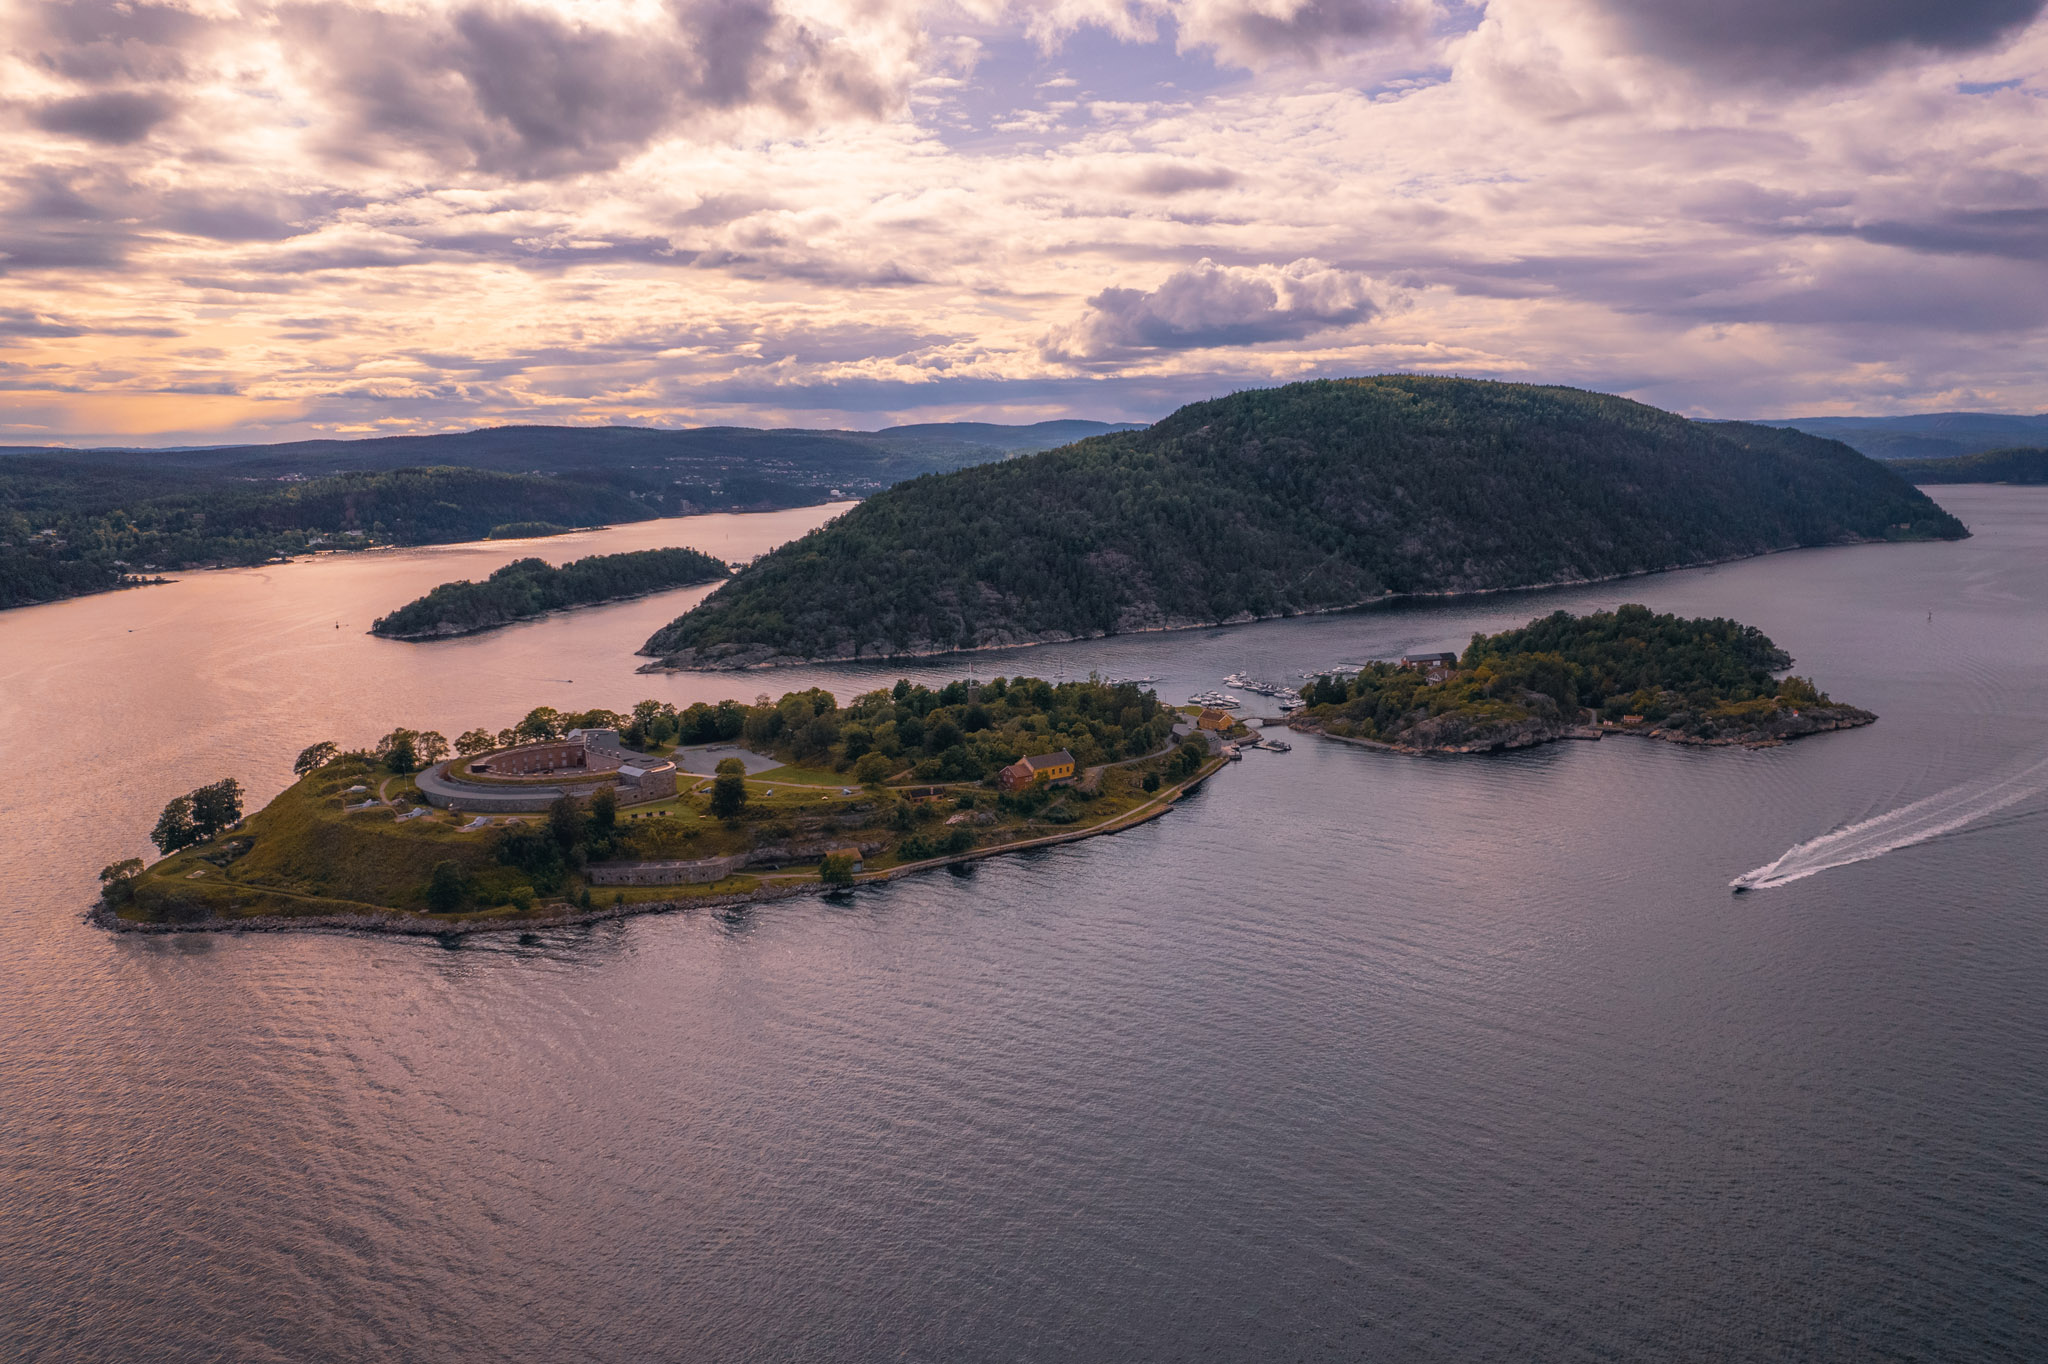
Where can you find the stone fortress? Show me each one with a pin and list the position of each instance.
(531, 777)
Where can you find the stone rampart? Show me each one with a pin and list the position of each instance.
(701, 872)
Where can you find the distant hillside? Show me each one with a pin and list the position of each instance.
(1934, 435)
(73, 522)
(2029, 465)
(71, 527)
(1304, 498)
(713, 468)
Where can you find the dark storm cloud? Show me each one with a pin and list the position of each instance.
(112, 117)
(1812, 40)
(521, 93)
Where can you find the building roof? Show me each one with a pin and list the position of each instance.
(1039, 762)
(1430, 658)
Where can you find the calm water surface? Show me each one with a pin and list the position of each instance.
(1351, 1057)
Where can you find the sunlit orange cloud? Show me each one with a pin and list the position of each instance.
(267, 221)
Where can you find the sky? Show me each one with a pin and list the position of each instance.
(247, 220)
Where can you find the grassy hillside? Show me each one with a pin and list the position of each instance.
(2028, 465)
(1307, 497)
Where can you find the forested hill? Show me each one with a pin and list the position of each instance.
(532, 587)
(69, 527)
(2028, 465)
(1308, 497)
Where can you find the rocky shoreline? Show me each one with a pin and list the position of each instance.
(408, 925)
(745, 658)
(1536, 730)
(412, 926)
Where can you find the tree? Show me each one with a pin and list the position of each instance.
(117, 882)
(471, 742)
(174, 826)
(836, 869)
(430, 747)
(396, 750)
(728, 794)
(873, 769)
(216, 808)
(604, 814)
(541, 723)
(447, 888)
(314, 758)
(565, 822)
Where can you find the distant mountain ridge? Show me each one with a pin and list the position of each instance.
(1310, 497)
(79, 521)
(1933, 435)
(2028, 464)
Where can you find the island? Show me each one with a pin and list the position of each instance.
(1626, 671)
(526, 588)
(567, 817)
(1306, 498)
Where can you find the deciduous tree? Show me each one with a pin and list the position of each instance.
(315, 757)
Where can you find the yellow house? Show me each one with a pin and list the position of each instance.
(1043, 767)
(1218, 720)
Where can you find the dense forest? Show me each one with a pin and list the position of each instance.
(1308, 497)
(1706, 680)
(73, 522)
(2027, 465)
(533, 587)
(68, 527)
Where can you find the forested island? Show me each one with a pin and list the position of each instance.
(526, 588)
(74, 522)
(2027, 464)
(1311, 497)
(1626, 671)
(807, 795)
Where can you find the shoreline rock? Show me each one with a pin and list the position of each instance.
(1538, 730)
(758, 657)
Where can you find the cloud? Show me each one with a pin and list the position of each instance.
(102, 41)
(1804, 41)
(1177, 177)
(1209, 305)
(519, 91)
(113, 117)
(1259, 33)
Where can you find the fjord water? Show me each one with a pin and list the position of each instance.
(1351, 1056)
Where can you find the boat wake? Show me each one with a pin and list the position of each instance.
(1941, 813)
